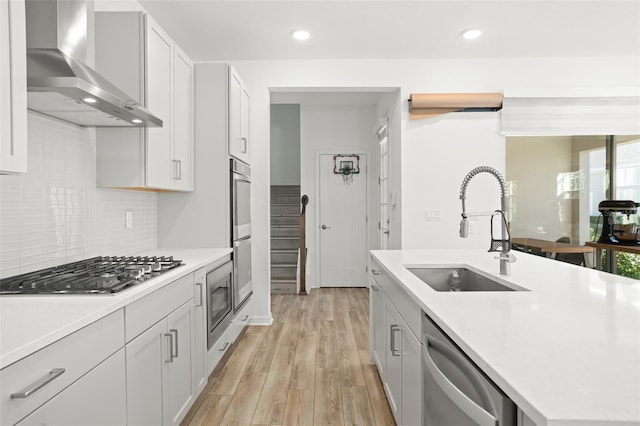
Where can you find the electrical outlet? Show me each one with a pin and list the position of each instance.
(128, 219)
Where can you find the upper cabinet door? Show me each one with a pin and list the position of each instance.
(160, 167)
(13, 87)
(238, 118)
(183, 141)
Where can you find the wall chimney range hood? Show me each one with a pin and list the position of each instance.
(60, 83)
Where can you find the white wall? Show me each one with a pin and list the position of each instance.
(456, 75)
(332, 129)
(54, 214)
(285, 144)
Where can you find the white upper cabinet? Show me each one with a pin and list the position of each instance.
(238, 117)
(183, 123)
(135, 54)
(13, 87)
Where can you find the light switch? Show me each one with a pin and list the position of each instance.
(432, 215)
(128, 219)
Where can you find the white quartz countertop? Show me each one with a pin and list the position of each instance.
(29, 323)
(567, 351)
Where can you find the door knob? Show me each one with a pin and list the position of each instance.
(325, 227)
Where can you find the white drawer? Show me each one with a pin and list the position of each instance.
(217, 351)
(145, 312)
(408, 309)
(76, 354)
(239, 322)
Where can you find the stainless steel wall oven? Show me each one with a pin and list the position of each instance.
(219, 301)
(241, 231)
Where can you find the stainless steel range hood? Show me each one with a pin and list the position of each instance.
(59, 81)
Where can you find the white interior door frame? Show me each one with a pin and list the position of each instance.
(316, 225)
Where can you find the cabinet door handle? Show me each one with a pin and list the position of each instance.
(393, 329)
(199, 285)
(170, 336)
(53, 374)
(174, 331)
(243, 147)
(179, 169)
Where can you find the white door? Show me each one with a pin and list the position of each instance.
(342, 223)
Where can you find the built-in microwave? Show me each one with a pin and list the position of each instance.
(219, 301)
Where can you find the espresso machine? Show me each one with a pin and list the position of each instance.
(609, 209)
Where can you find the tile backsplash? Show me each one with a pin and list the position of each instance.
(54, 213)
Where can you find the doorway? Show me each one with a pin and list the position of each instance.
(342, 219)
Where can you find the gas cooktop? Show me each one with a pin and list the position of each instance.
(97, 275)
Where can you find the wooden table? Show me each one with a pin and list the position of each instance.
(613, 247)
(551, 248)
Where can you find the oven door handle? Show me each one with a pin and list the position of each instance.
(468, 406)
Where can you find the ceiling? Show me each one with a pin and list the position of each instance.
(395, 29)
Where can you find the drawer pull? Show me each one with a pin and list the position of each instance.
(244, 318)
(56, 372)
(376, 272)
(224, 348)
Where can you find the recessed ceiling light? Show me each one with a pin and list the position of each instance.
(136, 120)
(471, 34)
(300, 34)
(90, 100)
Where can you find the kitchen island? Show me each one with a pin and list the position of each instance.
(566, 351)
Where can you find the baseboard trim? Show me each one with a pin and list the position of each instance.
(261, 320)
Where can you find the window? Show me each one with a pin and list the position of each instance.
(556, 183)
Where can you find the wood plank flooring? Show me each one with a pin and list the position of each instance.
(311, 367)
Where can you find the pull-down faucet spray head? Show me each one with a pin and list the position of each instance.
(505, 257)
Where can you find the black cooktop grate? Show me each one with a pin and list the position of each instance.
(97, 275)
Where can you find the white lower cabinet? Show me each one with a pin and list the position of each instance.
(159, 386)
(96, 399)
(395, 349)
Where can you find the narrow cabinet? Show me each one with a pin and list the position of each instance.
(239, 142)
(159, 76)
(161, 399)
(13, 87)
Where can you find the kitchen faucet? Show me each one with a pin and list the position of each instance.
(506, 258)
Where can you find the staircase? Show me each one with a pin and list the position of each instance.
(285, 237)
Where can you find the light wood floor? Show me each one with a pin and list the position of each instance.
(311, 367)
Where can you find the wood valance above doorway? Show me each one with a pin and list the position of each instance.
(426, 105)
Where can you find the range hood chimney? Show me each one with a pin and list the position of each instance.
(59, 81)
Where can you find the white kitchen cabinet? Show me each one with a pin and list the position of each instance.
(183, 128)
(96, 399)
(159, 331)
(64, 364)
(13, 87)
(239, 141)
(395, 346)
(199, 344)
(159, 76)
(378, 329)
(159, 388)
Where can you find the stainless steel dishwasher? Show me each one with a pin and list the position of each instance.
(455, 391)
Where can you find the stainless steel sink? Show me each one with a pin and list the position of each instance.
(459, 279)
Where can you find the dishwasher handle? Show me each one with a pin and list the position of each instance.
(468, 406)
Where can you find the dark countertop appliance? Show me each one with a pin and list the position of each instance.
(97, 275)
(609, 209)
